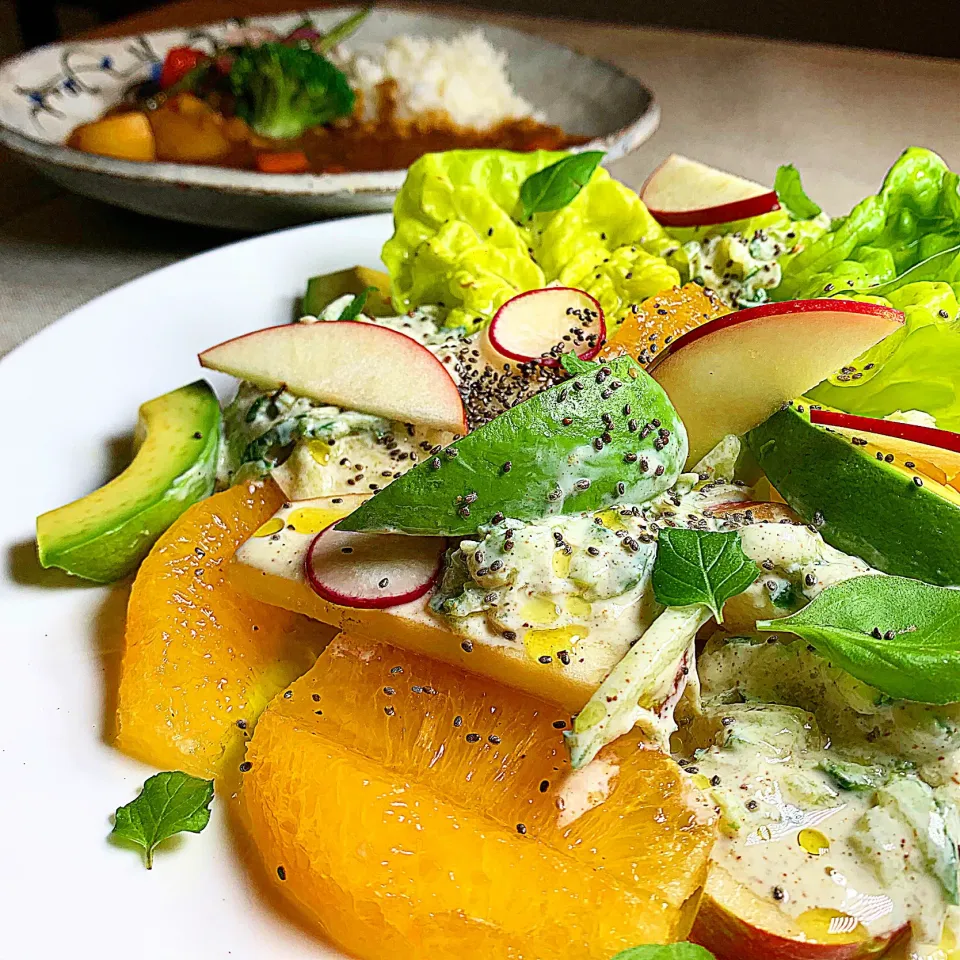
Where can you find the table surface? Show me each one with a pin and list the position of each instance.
(841, 115)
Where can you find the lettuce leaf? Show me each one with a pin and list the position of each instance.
(458, 240)
(915, 215)
(914, 368)
(900, 247)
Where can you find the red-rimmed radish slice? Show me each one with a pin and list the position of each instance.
(357, 366)
(532, 326)
(685, 193)
(729, 374)
(372, 570)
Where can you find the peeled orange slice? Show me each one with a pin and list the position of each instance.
(660, 320)
(202, 659)
(408, 809)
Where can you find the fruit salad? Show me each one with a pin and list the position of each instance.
(584, 585)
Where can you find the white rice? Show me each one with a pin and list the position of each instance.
(464, 78)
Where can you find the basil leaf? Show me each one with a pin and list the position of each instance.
(900, 636)
(169, 803)
(555, 186)
(700, 566)
(666, 951)
(791, 194)
(355, 307)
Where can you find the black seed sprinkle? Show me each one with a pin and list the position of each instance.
(509, 635)
(621, 488)
(546, 658)
(242, 724)
(315, 697)
(281, 873)
(435, 463)
(472, 737)
(507, 467)
(563, 657)
(918, 481)
(384, 582)
(467, 646)
(494, 739)
(559, 724)
(246, 766)
(778, 891)
(544, 786)
(593, 551)
(521, 828)
(458, 721)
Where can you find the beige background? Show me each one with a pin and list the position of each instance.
(841, 115)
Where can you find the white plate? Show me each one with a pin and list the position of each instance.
(44, 94)
(69, 394)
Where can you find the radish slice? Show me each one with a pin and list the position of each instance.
(532, 326)
(372, 570)
(685, 193)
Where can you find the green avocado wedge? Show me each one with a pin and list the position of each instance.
(883, 512)
(323, 290)
(104, 535)
(609, 435)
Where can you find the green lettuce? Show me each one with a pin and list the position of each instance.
(459, 241)
(914, 368)
(900, 247)
(916, 214)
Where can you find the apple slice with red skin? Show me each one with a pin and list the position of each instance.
(935, 452)
(733, 372)
(372, 571)
(531, 327)
(685, 193)
(735, 924)
(357, 366)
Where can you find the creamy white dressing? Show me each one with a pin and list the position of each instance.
(569, 584)
(823, 806)
(585, 789)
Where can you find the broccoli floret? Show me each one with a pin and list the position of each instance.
(284, 90)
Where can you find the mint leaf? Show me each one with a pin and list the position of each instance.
(666, 951)
(791, 194)
(574, 365)
(555, 186)
(900, 636)
(169, 803)
(355, 307)
(700, 566)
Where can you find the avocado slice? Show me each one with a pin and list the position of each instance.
(897, 519)
(609, 435)
(104, 535)
(323, 290)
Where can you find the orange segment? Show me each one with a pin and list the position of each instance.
(199, 655)
(661, 319)
(408, 809)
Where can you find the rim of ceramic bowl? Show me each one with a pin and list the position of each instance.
(616, 144)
